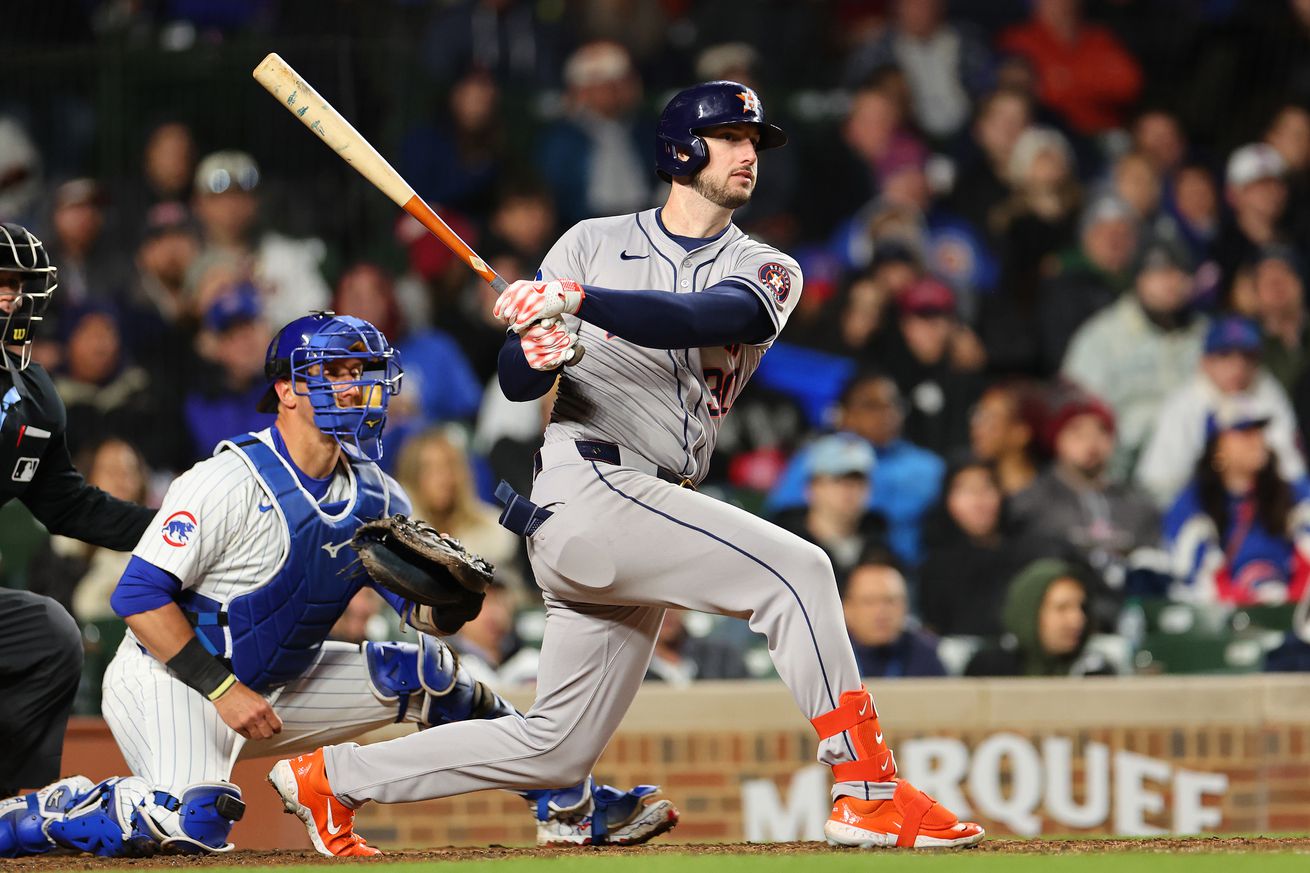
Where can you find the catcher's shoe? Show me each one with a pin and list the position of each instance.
(605, 816)
(910, 820)
(303, 785)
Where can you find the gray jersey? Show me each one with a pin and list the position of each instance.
(663, 404)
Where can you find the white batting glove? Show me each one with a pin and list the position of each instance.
(548, 346)
(525, 302)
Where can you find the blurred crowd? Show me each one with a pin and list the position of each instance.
(1043, 398)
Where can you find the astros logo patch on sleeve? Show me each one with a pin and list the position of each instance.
(775, 277)
(179, 527)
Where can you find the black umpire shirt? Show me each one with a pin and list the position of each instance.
(35, 467)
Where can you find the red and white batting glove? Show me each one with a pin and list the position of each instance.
(548, 346)
(526, 302)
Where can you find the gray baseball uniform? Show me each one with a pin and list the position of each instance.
(622, 544)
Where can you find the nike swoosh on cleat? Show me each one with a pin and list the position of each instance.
(333, 830)
(623, 255)
(864, 709)
(877, 738)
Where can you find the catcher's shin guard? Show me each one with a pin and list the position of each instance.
(23, 818)
(857, 717)
(399, 670)
(195, 823)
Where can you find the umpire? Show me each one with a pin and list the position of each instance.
(40, 646)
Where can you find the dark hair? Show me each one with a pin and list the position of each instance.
(874, 555)
(859, 380)
(1273, 496)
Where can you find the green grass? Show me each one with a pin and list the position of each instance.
(854, 862)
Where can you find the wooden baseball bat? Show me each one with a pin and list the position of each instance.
(301, 100)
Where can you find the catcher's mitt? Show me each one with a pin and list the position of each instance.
(429, 568)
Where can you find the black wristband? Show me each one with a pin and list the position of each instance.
(195, 666)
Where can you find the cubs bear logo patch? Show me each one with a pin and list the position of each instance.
(178, 528)
(774, 276)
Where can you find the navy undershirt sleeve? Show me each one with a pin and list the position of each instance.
(517, 378)
(721, 315)
(143, 587)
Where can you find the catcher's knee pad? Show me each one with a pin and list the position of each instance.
(102, 821)
(452, 693)
(197, 822)
(23, 818)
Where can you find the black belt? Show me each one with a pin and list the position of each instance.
(608, 453)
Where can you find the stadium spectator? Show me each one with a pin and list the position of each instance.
(1289, 133)
(1134, 179)
(224, 399)
(1256, 191)
(1087, 278)
(439, 383)
(78, 575)
(1239, 533)
(1047, 625)
(457, 163)
(681, 658)
(946, 64)
(849, 323)
(91, 267)
(1159, 136)
(226, 203)
(168, 165)
(874, 138)
(983, 165)
(435, 471)
(514, 42)
(1279, 292)
(836, 517)
(917, 351)
(361, 616)
(969, 558)
(1003, 429)
(876, 607)
(1138, 351)
(1075, 505)
(906, 478)
(597, 158)
(107, 393)
(1038, 219)
(1194, 204)
(1230, 368)
(20, 171)
(1084, 73)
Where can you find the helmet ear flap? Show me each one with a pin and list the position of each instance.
(673, 164)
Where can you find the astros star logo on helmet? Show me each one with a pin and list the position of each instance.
(749, 102)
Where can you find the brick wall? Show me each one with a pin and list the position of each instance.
(702, 744)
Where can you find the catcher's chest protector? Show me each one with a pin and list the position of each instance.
(277, 629)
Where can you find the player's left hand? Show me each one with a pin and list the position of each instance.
(548, 345)
(526, 302)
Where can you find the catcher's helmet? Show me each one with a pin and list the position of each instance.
(694, 109)
(24, 254)
(302, 348)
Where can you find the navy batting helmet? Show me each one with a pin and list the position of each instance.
(702, 106)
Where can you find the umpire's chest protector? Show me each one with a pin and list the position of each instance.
(277, 629)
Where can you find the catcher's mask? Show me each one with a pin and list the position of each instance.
(23, 255)
(304, 352)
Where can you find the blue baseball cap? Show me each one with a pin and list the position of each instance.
(1233, 333)
(237, 305)
(840, 454)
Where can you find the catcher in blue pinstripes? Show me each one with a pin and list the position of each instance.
(229, 598)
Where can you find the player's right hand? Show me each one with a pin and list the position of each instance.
(526, 302)
(248, 713)
(548, 345)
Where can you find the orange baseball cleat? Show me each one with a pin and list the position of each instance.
(303, 785)
(910, 820)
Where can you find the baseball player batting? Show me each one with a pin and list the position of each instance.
(229, 597)
(677, 307)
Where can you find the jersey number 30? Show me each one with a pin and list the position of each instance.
(720, 385)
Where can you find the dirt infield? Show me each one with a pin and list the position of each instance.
(252, 858)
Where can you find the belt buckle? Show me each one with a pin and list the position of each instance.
(687, 483)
